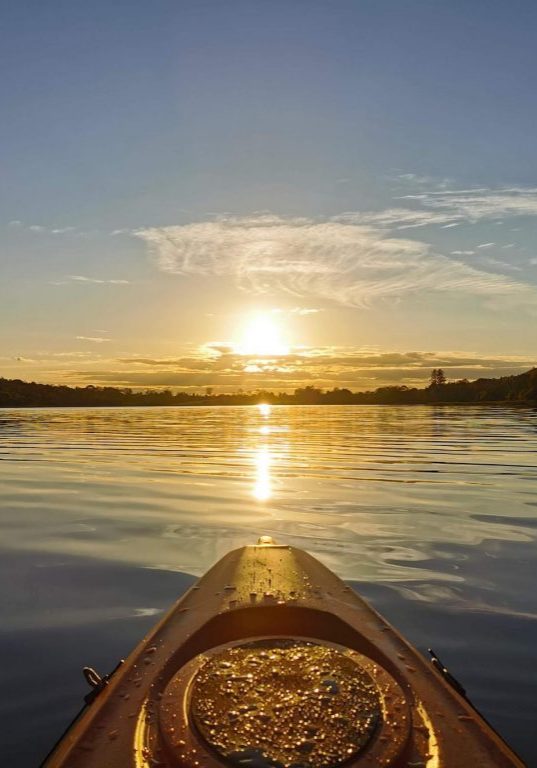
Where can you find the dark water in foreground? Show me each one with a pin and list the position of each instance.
(430, 512)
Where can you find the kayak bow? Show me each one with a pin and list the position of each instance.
(271, 661)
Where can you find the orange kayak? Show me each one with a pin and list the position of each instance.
(271, 661)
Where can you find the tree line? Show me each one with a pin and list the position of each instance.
(15, 393)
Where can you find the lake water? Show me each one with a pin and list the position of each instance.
(431, 512)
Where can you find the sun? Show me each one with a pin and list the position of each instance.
(261, 335)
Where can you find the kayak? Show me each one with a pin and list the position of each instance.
(271, 661)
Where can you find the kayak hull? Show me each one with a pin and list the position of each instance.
(273, 596)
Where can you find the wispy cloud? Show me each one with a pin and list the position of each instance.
(298, 311)
(305, 310)
(61, 230)
(489, 261)
(480, 203)
(42, 228)
(70, 279)
(397, 218)
(419, 180)
(97, 280)
(93, 339)
(342, 259)
(440, 206)
(53, 229)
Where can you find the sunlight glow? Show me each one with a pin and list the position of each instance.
(263, 488)
(264, 409)
(261, 335)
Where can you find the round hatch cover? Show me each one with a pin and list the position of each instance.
(284, 703)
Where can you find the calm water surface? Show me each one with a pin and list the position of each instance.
(430, 511)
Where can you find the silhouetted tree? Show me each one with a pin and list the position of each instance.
(437, 378)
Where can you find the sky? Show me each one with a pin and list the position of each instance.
(267, 193)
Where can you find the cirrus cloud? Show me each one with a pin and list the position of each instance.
(480, 203)
(341, 259)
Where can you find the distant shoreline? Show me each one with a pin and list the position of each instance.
(487, 403)
(518, 390)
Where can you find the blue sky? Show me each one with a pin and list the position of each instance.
(171, 168)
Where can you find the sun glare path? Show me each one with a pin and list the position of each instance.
(263, 488)
(262, 336)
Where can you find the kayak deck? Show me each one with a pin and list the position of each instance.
(271, 661)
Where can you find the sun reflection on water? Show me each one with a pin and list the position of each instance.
(264, 409)
(263, 487)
